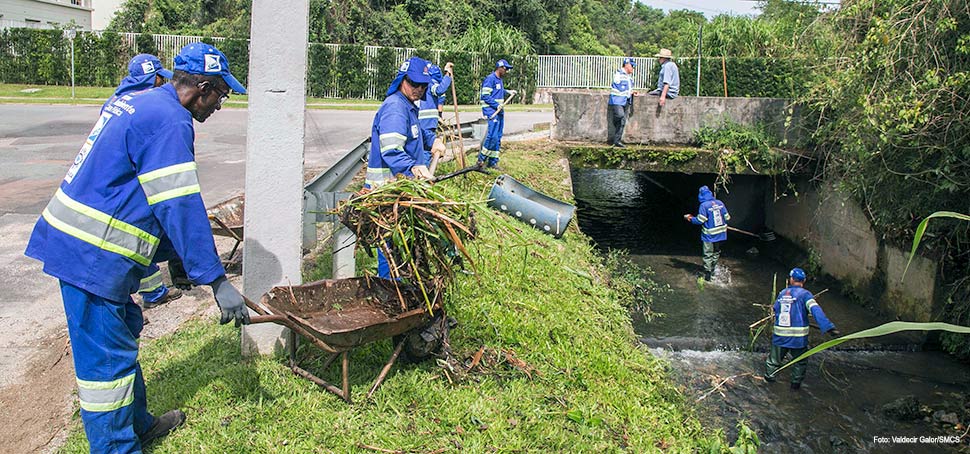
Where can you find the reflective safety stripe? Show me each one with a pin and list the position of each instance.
(486, 90)
(810, 304)
(392, 140)
(490, 153)
(791, 331)
(103, 396)
(170, 182)
(715, 230)
(615, 92)
(377, 177)
(702, 218)
(99, 229)
(425, 114)
(150, 283)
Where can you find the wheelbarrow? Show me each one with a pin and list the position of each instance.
(226, 219)
(339, 315)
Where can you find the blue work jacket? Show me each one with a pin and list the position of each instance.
(131, 196)
(791, 326)
(397, 143)
(712, 216)
(492, 95)
(622, 88)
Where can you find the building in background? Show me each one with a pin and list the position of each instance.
(104, 11)
(45, 13)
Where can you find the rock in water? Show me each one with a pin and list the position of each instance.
(905, 408)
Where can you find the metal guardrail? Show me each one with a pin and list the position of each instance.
(323, 192)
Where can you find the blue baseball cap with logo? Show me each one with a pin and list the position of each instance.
(147, 65)
(417, 69)
(503, 64)
(205, 59)
(630, 61)
(797, 274)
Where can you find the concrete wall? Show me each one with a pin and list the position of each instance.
(104, 11)
(581, 116)
(48, 12)
(836, 231)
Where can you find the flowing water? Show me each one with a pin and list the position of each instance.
(703, 330)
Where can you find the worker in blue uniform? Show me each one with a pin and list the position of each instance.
(790, 328)
(621, 101)
(428, 113)
(492, 100)
(712, 216)
(131, 198)
(145, 71)
(397, 143)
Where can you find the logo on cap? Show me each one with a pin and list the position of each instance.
(427, 68)
(405, 65)
(212, 64)
(147, 67)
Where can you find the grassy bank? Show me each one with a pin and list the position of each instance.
(55, 94)
(561, 372)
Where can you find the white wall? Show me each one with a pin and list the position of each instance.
(47, 12)
(104, 11)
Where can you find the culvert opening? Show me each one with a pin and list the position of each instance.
(642, 212)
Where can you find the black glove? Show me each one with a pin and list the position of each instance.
(835, 333)
(179, 277)
(230, 301)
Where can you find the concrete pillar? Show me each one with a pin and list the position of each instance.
(274, 158)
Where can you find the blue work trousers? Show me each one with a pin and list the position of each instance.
(104, 343)
(493, 141)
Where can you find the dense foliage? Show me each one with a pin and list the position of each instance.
(894, 124)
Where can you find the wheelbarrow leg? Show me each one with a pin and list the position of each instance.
(387, 368)
(232, 253)
(346, 375)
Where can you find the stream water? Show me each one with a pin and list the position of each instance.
(703, 331)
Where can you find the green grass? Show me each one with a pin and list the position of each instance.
(595, 389)
(55, 94)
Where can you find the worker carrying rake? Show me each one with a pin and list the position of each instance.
(493, 99)
(790, 330)
(428, 111)
(712, 216)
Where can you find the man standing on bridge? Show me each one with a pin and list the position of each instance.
(790, 330)
(621, 100)
(493, 102)
(712, 216)
(145, 72)
(131, 198)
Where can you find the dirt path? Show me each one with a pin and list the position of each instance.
(38, 406)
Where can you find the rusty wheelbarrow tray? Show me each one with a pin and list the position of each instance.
(226, 219)
(338, 315)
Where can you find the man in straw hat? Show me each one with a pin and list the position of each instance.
(668, 84)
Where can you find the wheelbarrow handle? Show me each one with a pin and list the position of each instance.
(267, 318)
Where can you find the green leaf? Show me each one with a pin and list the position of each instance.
(921, 229)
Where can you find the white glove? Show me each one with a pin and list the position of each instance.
(449, 68)
(421, 172)
(438, 147)
(512, 93)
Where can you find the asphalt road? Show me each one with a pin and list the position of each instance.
(37, 145)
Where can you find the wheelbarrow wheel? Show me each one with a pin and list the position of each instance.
(427, 341)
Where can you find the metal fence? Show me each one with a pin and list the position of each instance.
(589, 71)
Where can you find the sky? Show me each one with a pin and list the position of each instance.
(710, 8)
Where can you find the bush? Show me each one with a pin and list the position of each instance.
(320, 74)
(349, 65)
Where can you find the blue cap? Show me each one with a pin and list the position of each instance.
(416, 68)
(503, 64)
(202, 58)
(147, 65)
(797, 274)
(631, 61)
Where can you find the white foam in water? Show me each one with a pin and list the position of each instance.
(722, 275)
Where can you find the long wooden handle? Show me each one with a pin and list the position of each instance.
(461, 144)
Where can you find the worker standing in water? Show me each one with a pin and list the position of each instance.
(790, 329)
(712, 216)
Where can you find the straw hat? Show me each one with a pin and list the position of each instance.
(664, 53)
